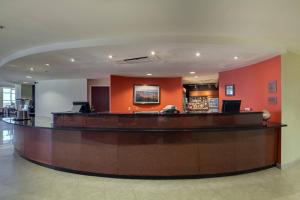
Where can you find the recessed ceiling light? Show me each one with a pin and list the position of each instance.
(198, 54)
(31, 69)
(110, 56)
(47, 65)
(72, 59)
(149, 74)
(28, 77)
(192, 72)
(235, 58)
(153, 53)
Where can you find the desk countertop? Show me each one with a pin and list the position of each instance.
(42, 122)
(153, 114)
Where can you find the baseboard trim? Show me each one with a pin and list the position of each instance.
(288, 165)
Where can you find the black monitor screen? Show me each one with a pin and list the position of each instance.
(231, 106)
(85, 106)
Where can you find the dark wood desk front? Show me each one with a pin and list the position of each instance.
(150, 145)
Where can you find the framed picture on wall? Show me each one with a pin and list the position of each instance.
(229, 90)
(146, 94)
(272, 100)
(272, 86)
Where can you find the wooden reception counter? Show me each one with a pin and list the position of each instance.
(149, 145)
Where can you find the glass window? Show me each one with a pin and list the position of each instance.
(6, 97)
(6, 90)
(9, 97)
(6, 103)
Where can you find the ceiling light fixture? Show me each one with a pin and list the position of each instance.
(110, 56)
(149, 74)
(28, 77)
(153, 53)
(31, 69)
(72, 59)
(235, 58)
(47, 65)
(198, 54)
(192, 72)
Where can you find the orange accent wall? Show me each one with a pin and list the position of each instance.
(171, 92)
(251, 86)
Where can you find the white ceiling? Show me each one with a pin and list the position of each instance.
(39, 32)
(170, 60)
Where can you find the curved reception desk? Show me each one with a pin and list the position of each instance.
(149, 145)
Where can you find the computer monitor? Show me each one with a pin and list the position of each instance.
(231, 106)
(85, 106)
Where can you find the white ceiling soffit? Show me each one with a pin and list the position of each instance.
(170, 60)
(35, 27)
(112, 41)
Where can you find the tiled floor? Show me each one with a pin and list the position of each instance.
(5, 133)
(20, 179)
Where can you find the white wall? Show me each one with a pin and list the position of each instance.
(58, 95)
(18, 91)
(290, 137)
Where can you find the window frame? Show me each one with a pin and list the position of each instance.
(10, 92)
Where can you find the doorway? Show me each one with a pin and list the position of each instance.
(100, 98)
